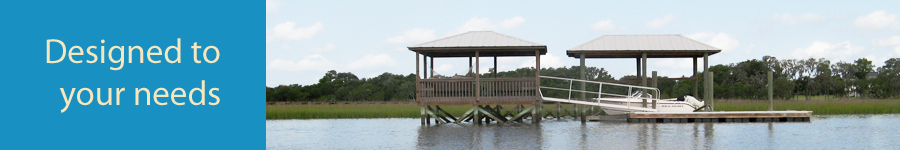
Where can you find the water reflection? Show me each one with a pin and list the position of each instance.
(468, 136)
(824, 132)
(568, 135)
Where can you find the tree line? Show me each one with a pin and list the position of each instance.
(793, 79)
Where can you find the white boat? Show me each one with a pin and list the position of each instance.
(681, 104)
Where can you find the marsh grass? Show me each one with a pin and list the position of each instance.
(412, 111)
(351, 111)
(868, 106)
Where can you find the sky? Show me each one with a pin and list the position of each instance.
(305, 39)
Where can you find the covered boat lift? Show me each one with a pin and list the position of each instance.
(642, 47)
(479, 92)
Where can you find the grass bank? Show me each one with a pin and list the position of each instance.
(351, 111)
(412, 110)
(891, 106)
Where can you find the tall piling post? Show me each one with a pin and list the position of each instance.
(644, 76)
(422, 107)
(580, 110)
(771, 90)
(655, 85)
(696, 78)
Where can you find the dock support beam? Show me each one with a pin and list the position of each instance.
(422, 108)
(654, 85)
(709, 92)
(431, 70)
(536, 114)
(644, 76)
(770, 87)
(706, 80)
(583, 77)
(495, 67)
(477, 77)
(637, 65)
(696, 78)
(425, 68)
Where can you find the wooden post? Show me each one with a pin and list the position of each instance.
(706, 79)
(422, 107)
(771, 90)
(425, 68)
(432, 68)
(644, 76)
(422, 112)
(582, 97)
(477, 78)
(709, 91)
(654, 84)
(712, 93)
(427, 117)
(696, 78)
(536, 112)
(477, 116)
(470, 65)
(637, 65)
(495, 67)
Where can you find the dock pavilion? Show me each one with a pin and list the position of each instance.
(486, 95)
(642, 47)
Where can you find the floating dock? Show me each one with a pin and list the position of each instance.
(726, 116)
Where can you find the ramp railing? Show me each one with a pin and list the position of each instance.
(633, 92)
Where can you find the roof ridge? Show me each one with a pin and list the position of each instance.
(515, 38)
(699, 42)
(492, 34)
(432, 41)
(585, 43)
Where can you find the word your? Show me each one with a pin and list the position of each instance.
(158, 93)
(79, 51)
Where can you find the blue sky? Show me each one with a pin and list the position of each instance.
(305, 39)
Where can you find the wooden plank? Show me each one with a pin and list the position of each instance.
(491, 115)
(522, 114)
(740, 114)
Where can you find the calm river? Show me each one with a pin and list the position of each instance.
(823, 132)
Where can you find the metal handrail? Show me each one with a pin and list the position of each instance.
(653, 97)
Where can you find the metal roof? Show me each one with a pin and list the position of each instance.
(632, 46)
(488, 43)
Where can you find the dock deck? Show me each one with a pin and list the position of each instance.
(729, 116)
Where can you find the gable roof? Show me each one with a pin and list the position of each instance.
(632, 46)
(488, 43)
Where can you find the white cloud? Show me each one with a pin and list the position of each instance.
(790, 19)
(834, 52)
(443, 69)
(660, 22)
(313, 62)
(605, 25)
(512, 22)
(328, 47)
(413, 35)
(372, 61)
(889, 42)
(547, 61)
(877, 20)
(483, 24)
(287, 31)
(718, 40)
(892, 41)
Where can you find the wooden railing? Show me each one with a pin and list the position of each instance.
(493, 91)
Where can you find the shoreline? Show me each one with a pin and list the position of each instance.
(411, 110)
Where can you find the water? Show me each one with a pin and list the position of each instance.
(823, 132)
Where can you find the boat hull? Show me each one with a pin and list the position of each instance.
(662, 106)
